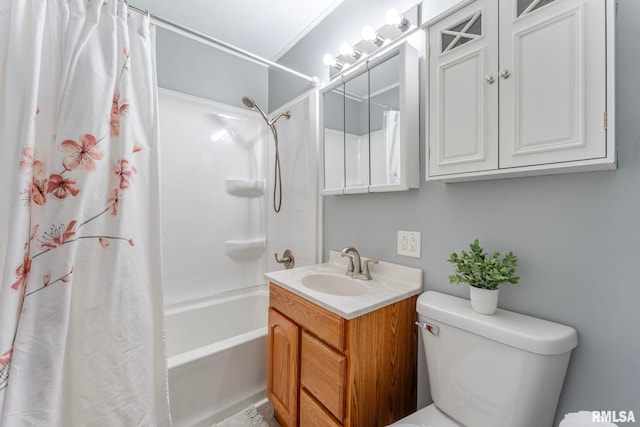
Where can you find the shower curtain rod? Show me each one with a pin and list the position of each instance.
(180, 29)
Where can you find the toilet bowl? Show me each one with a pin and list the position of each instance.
(500, 370)
(429, 416)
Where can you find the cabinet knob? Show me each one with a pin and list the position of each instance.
(504, 73)
(489, 79)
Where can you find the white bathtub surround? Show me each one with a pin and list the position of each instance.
(213, 196)
(81, 294)
(219, 229)
(296, 226)
(390, 283)
(216, 349)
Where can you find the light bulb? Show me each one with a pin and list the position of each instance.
(394, 18)
(368, 33)
(329, 60)
(347, 50)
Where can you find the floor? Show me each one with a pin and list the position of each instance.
(260, 416)
(266, 410)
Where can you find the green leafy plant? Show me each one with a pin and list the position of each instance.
(482, 271)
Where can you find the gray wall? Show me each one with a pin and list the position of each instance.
(197, 69)
(576, 234)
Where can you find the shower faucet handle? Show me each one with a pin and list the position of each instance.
(287, 259)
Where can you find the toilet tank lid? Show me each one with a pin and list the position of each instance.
(517, 330)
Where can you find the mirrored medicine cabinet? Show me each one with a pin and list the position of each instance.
(370, 123)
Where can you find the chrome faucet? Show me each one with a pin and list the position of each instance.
(354, 260)
(357, 269)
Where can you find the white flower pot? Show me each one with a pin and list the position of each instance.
(484, 301)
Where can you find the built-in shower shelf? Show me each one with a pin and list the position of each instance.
(252, 248)
(244, 187)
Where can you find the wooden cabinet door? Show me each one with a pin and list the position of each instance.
(553, 81)
(323, 373)
(313, 414)
(463, 90)
(283, 368)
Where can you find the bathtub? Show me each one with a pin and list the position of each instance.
(216, 355)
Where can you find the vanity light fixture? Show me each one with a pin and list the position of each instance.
(393, 17)
(331, 61)
(347, 50)
(398, 25)
(368, 33)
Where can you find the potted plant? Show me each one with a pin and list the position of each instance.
(483, 273)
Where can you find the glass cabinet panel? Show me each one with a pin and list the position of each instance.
(370, 121)
(334, 136)
(356, 145)
(384, 134)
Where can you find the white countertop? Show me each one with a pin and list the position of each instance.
(389, 283)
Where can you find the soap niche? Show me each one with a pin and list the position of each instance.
(243, 249)
(244, 187)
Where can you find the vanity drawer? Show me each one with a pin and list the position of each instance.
(321, 322)
(323, 373)
(312, 414)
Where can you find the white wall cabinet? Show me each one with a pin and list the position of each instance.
(520, 87)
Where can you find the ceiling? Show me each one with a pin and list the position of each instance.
(267, 28)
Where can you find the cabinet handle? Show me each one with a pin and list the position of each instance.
(489, 79)
(504, 73)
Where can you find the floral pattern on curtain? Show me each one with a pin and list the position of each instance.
(81, 336)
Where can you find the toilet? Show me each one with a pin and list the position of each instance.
(501, 370)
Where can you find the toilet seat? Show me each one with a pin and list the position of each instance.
(430, 416)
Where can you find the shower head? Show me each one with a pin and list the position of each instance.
(249, 102)
(277, 181)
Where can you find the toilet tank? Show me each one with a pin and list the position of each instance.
(501, 370)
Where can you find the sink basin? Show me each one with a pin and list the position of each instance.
(334, 285)
(327, 286)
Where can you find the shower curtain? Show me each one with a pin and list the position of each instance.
(81, 337)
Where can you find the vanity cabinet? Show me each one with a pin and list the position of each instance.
(370, 122)
(521, 87)
(324, 370)
(283, 375)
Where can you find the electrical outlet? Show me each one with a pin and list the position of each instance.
(409, 243)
